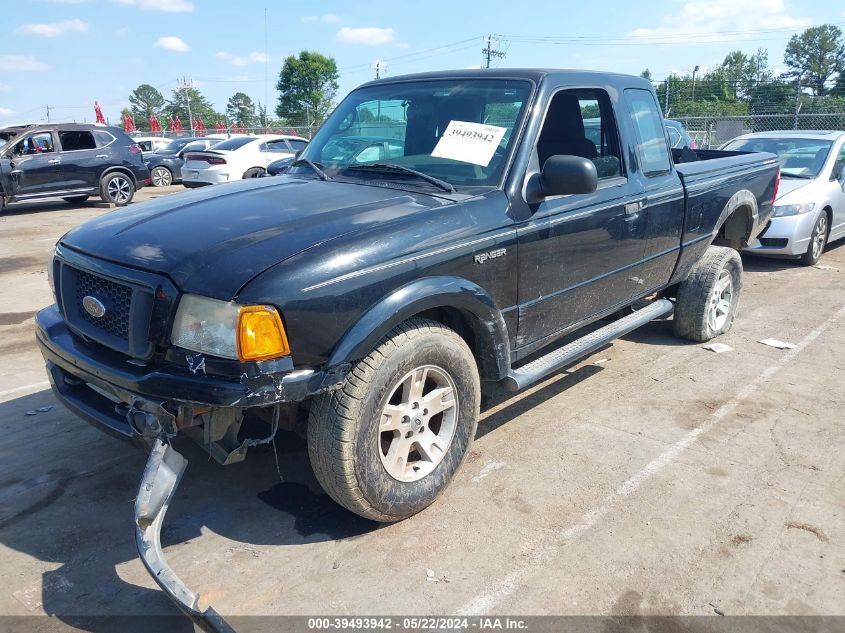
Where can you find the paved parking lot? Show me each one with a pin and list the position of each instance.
(653, 478)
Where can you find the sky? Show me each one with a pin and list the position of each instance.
(68, 53)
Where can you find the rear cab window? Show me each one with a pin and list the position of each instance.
(652, 148)
(75, 140)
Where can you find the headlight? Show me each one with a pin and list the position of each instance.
(229, 330)
(793, 209)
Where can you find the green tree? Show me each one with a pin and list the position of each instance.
(241, 109)
(145, 101)
(815, 56)
(307, 87)
(646, 74)
(200, 106)
(743, 72)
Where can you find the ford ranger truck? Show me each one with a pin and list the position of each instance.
(378, 291)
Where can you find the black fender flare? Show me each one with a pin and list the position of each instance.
(491, 344)
(742, 198)
(124, 170)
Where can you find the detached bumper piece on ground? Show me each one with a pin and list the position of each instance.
(161, 477)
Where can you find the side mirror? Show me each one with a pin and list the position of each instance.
(840, 175)
(565, 175)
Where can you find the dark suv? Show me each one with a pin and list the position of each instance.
(70, 161)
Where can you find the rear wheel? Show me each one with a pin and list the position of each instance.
(389, 441)
(818, 240)
(161, 177)
(708, 298)
(254, 172)
(117, 188)
(75, 199)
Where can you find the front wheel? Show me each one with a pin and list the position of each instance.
(818, 240)
(389, 440)
(117, 188)
(708, 298)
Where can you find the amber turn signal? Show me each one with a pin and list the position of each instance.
(261, 334)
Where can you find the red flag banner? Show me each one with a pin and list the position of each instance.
(128, 123)
(155, 126)
(98, 113)
(220, 127)
(175, 125)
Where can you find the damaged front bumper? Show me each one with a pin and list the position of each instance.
(115, 393)
(161, 477)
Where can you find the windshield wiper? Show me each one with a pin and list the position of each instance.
(445, 186)
(304, 161)
(801, 176)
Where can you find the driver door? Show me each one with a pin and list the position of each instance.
(35, 166)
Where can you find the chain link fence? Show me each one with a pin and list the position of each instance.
(303, 131)
(711, 132)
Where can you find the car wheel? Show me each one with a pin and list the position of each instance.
(161, 177)
(75, 199)
(818, 240)
(389, 441)
(117, 188)
(254, 172)
(708, 298)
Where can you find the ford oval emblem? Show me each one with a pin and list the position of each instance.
(93, 306)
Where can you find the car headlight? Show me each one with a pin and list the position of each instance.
(793, 209)
(229, 330)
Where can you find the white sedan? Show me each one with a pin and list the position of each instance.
(238, 157)
(810, 205)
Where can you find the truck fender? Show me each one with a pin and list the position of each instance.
(489, 333)
(737, 230)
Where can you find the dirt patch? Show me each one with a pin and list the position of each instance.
(812, 529)
(9, 264)
(15, 318)
(741, 539)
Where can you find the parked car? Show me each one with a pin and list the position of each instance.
(237, 158)
(166, 164)
(678, 136)
(150, 144)
(73, 162)
(810, 207)
(278, 167)
(383, 295)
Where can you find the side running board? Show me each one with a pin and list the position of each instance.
(553, 361)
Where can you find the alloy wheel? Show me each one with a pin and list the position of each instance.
(161, 177)
(119, 189)
(819, 236)
(418, 423)
(720, 301)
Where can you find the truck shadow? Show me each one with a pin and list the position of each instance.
(66, 500)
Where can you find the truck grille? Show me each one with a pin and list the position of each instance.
(125, 325)
(117, 297)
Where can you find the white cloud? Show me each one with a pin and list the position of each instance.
(370, 36)
(67, 1)
(21, 62)
(239, 60)
(404, 45)
(6, 112)
(54, 29)
(121, 32)
(168, 6)
(328, 18)
(172, 43)
(708, 20)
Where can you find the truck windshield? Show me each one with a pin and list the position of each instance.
(459, 131)
(799, 157)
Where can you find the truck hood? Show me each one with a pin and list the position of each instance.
(213, 240)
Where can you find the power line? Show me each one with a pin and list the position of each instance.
(490, 52)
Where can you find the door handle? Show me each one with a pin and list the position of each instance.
(54, 161)
(101, 156)
(632, 208)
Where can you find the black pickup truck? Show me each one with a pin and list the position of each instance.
(378, 295)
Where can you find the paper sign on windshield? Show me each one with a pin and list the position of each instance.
(469, 142)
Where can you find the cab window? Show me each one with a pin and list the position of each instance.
(652, 148)
(581, 123)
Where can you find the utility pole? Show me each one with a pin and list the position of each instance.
(666, 100)
(797, 102)
(186, 88)
(378, 67)
(490, 52)
(48, 113)
(694, 70)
